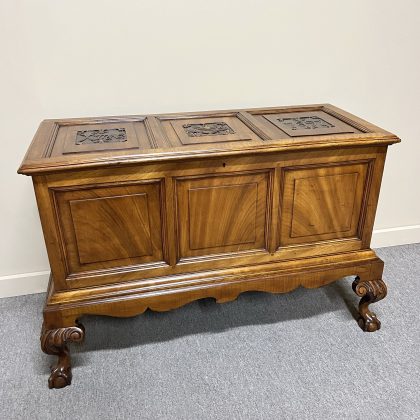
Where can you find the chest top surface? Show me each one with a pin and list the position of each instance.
(63, 144)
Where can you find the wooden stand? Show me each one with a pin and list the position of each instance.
(158, 211)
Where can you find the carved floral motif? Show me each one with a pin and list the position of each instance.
(107, 135)
(305, 123)
(208, 129)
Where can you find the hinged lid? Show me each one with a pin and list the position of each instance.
(86, 142)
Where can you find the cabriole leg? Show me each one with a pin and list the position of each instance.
(370, 291)
(54, 342)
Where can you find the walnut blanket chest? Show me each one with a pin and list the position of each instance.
(160, 210)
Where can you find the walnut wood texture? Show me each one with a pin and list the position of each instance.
(129, 213)
(54, 342)
(155, 138)
(157, 211)
(205, 230)
(370, 290)
(322, 202)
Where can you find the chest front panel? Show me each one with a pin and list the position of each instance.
(138, 222)
(222, 213)
(321, 202)
(109, 225)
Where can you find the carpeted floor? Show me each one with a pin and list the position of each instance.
(294, 356)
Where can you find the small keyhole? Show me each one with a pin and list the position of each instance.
(224, 164)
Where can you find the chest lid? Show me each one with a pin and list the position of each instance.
(63, 144)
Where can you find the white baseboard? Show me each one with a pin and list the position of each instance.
(402, 235)
(28, 283)
(24, 284)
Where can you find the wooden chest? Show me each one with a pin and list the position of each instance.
(157, 211)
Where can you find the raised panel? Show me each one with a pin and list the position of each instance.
(313, 195)
(110, 226)
(124, 218)
(79, 138)
(105, 137)
(218, 214)
(214, 129)
(321, 203)
(303, 124)
(235, 226)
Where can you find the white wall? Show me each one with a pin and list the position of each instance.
(85, 58)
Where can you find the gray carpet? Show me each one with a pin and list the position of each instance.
(294, 356)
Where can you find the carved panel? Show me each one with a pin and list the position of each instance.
(90, 138)
(304, 123)
(321, 203)
(315, 123)
(111, 135)
(208, 129)
(218, 214)
(215, 129)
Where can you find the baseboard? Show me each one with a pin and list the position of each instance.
(402, 235)
(28, 283)
(24, 284)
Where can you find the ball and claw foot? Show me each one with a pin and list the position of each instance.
(55, 342)
(370, 291)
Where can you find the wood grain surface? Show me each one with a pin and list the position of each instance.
(158, 211)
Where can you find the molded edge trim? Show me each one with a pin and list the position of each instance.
(37, 282)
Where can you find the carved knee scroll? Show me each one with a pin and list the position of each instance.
(55, 342)
(370, 291)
